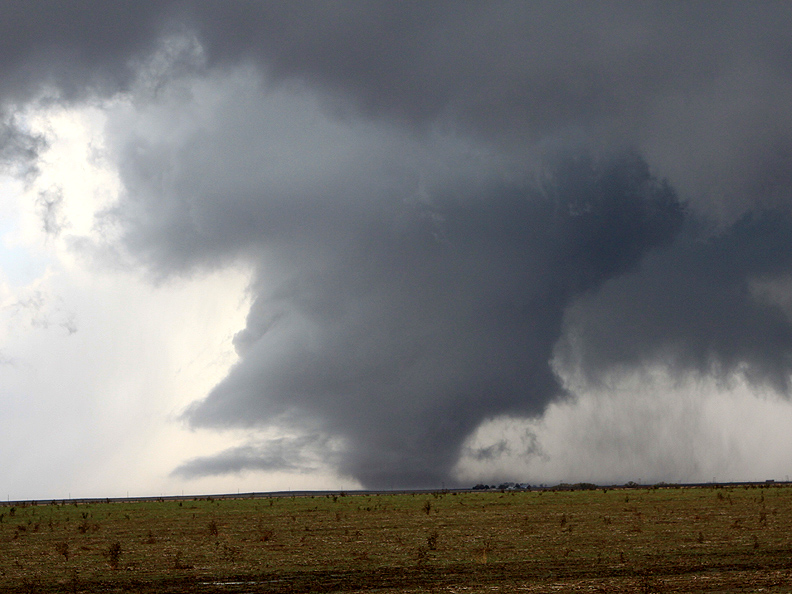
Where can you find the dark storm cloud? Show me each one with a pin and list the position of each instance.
(696, 307)
(409, 288)
(403, 339)
(682, 81)
(77, 48)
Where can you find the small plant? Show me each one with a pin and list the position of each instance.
(229, 553)
(62, 548)
(427, 507)
(83, 527)
(485, 550)
(178, 563)
(114, 554)
(431, 540)
(647, 584)
(213, 528)
(74, 582)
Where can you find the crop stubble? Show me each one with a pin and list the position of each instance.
(718, 539)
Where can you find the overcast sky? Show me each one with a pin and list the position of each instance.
(268, 246)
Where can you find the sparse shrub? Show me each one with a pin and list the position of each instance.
(83, 527)
(114, 554)
(178, 563)
(431, 540)
(74, 583)
(62, 548)
(485, 550)
(648, 585)
(213, 531)
(584, 487)
(229, 552)
(427, 507)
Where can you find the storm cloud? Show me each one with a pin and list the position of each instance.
(403, 338)
(444, 205)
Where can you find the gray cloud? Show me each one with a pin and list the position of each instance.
(694, 307)
(402, 343)
(77, 49)
(416, 262)
(280, 454)
(49, 206)
(18, 148)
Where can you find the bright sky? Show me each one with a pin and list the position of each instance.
(98, 362)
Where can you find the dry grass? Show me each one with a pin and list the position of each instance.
(649, 540)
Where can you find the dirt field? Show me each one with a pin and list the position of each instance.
(633, 540)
